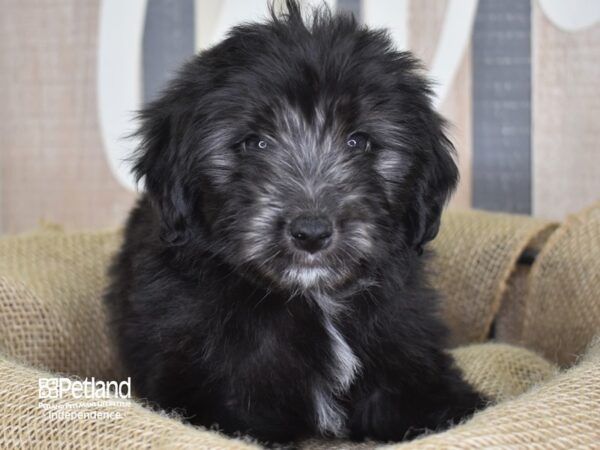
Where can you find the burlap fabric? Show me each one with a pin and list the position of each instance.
(498, 370)
(559, 306)
(51, 317)
(51, 283)
(25, 425)
(475, 255)
(562, 413)
(508, 325)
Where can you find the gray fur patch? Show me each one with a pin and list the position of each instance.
(343, 370)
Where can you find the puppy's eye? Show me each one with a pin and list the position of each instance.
(255, 143)
(358, 141)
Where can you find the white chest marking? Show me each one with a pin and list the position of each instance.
(343, 369)
(346, 364)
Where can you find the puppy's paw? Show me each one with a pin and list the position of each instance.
(394, 417)
(379, 417)
(454, 409)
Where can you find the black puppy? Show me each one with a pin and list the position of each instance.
(271, 279)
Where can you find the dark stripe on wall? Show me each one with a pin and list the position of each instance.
(349, 7)
(502, 106)
(168, 42)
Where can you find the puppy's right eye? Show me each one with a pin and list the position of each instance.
(255, 143)
(358, 141)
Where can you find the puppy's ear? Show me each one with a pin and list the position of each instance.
(437, 180)
(157, 162)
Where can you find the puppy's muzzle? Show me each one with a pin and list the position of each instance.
(311, 233)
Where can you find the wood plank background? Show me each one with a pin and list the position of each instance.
(566, 112)
(53, 168)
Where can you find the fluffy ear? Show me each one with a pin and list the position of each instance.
(437, 180)
(158, 164)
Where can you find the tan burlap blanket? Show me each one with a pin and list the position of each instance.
(52, 321)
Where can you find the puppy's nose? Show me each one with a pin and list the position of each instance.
(311, 233)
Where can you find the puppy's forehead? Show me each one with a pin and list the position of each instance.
(302, 104)
(330, 83)
(294, 120)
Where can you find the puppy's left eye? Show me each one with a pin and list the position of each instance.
(358, 141)
(255, 142)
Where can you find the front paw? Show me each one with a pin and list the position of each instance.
(451, 410)
(393, 417)
(379, 417)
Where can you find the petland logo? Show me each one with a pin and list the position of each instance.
(91, 389)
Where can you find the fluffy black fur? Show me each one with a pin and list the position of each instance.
(222, 312)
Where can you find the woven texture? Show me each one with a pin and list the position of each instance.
(562, 307)
(475, 255)
(502, 371)
(51, 313)
(51, 283)
(508, 325)
(562, 413)
(52, 317)
(497, 370)
(24, 425)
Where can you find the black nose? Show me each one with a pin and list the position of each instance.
(311, 233)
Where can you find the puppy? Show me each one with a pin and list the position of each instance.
(271, 279)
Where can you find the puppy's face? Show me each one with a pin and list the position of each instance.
(306, 198)
(302, 155)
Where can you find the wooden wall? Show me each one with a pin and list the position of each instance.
(53, 166)
(566, 111)
(425, 26)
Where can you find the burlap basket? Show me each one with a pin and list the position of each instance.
(52, 321)
(559, 310)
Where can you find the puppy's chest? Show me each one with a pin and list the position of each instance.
(343, 367)
(315, 349)
(314, 346)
